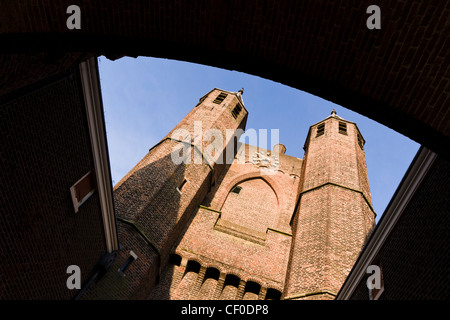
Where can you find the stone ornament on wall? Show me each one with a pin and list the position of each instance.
(262, 160)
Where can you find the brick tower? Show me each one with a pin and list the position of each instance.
(334, 214)
(156, 199)
(240, 222)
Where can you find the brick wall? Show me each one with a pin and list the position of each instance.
(45, 149)
(245, 237)
(255, 207)
(414, 259)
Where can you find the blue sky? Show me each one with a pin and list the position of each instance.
(144, 98)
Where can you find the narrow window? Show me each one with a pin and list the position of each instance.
(127, 263)
(236, 111)
(320, 129)
(82, 190)
(342, 128)
(360, 141)
(220, 98)
(180, 187)
(236, 189)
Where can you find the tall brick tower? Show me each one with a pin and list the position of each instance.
(249, 223)
(334, 214)
(156, 199)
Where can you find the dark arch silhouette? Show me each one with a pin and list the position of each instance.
(193, 266)
(175, 259)
(397, 75)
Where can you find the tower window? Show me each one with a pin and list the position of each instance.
(236, 111)
(320, 129)
(220, 98)
(180, 187)
(236, 189)
(342, 128)
(360, 141)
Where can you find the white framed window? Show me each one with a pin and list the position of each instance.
(82, 190)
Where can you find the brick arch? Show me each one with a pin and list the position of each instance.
(248, 285)
(212, 266)
(275, 287)
(190, 262)
(397, 76)
(232, 273)
(255, 280)
(272, 289)
(224, 190)
(209, 270)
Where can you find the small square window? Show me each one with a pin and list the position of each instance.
(236, 189)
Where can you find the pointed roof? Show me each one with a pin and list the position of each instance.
(334, 115)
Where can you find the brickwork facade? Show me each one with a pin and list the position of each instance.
(263, 225)
(45, 148)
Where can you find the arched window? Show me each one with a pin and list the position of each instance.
(251, 291)
(193, 266)
(230, 287)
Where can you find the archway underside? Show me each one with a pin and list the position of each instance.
(397, 76)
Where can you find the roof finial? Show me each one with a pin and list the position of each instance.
(241, 91)
(333, 112)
